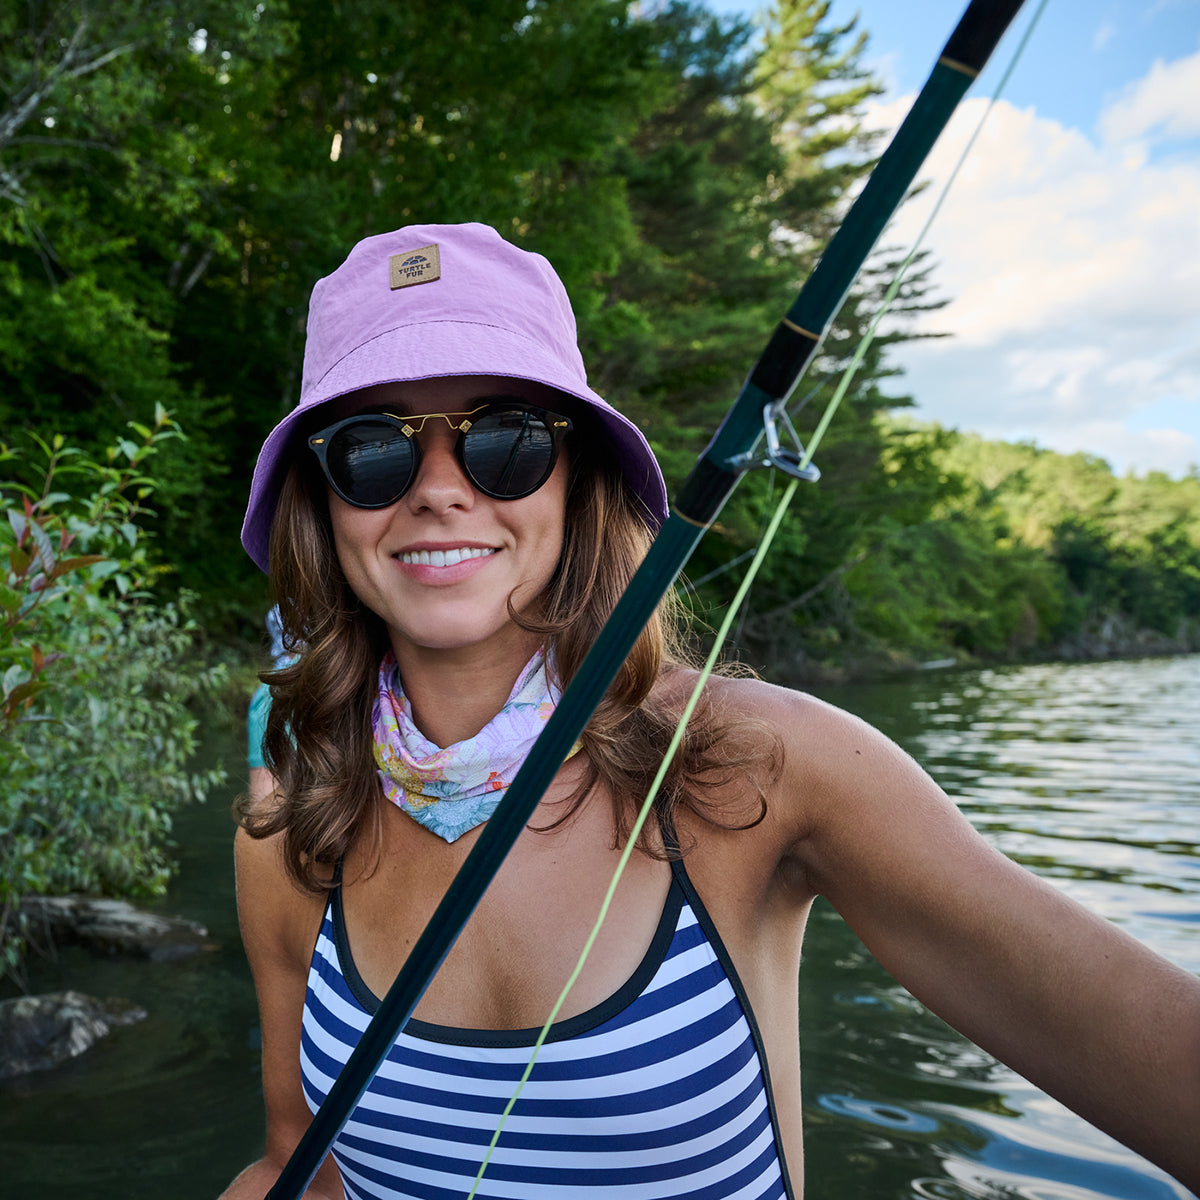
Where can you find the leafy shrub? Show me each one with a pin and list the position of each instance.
(95, 731)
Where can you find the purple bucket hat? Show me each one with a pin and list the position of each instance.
(433, 300)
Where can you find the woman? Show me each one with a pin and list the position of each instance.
(443, 576)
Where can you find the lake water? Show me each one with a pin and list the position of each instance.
(1088, 774)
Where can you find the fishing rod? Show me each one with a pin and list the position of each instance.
(757, 415)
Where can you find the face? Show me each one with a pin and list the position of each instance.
(439, 564)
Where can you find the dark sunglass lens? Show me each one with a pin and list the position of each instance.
(370, 462)
(508, 453)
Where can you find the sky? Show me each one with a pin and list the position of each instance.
(1069, 246)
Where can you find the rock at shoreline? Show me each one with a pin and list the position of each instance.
(112, 926)
(39, 1032)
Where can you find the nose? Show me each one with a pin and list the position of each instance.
(440, 484)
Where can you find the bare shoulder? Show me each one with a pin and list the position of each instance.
(841, 787)
(276, 915)
(1054, 991)
(821, 744)
(784, 709)
(770, 701)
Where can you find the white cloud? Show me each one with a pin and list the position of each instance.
(1103, 35)
(1165, 102)
(1073, 273)
(1170, 450)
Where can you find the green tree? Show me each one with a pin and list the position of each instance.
(117, 162)
(1120, 548)
(758, 155)
(176, 176)
(184, 172)
(96, 734)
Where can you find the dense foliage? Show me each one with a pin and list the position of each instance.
(174, 177)
(996, 551)
(96, 733)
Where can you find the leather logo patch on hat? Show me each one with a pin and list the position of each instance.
(415, 266)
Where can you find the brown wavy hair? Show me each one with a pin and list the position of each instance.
(318, 741)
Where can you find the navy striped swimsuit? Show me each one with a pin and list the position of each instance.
(659, 1093)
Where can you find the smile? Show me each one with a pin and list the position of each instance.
(443, 558)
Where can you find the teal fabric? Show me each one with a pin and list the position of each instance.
(256, 724)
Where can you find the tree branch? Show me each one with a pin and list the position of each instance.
(26, 102)
(96, 63)
(197, 271)
(33, 139)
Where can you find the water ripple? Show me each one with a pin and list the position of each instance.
(1087, 774)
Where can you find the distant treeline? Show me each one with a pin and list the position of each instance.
(991, 551)
(174, 177)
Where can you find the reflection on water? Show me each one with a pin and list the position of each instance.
(1087, 774)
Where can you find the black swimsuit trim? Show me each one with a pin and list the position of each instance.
(572, 1027)
(735, 980)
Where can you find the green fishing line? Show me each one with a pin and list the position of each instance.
(733, 608)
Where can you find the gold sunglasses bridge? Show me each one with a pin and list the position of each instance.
(458, 426)
(459, 422)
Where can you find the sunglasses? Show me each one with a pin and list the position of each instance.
(506, 448)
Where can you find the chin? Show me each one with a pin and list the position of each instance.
(452, 635)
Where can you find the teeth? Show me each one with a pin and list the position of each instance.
(442, 558)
